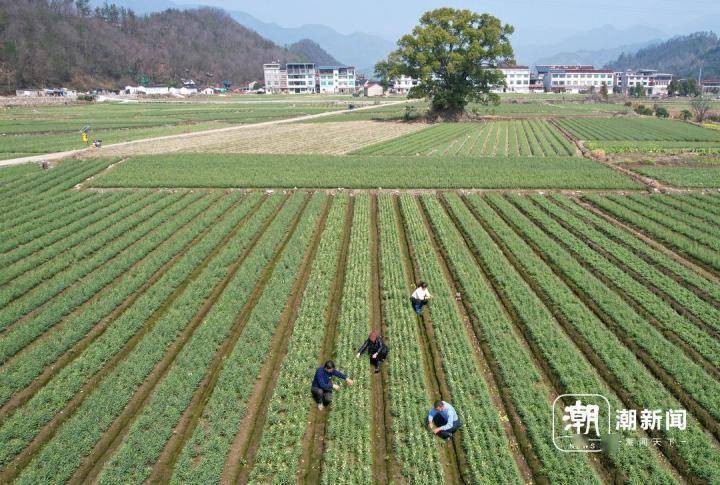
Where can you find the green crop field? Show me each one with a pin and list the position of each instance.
(489, 139)
(618, 135)
(683, 176)
(170, 336)
(360, 171)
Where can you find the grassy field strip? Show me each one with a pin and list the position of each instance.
(675, 240)
(87, 322)
(656, 281)
(99, 358)
(64, 289)
(264, 248)
(571, 371)
(516, 365)
(681, 204)
(348, 457)
(47, 246)
(107, 397)
(26, 295)
(625, 372)
(414, 447)
(420, 142)
(704, 288)
(323, 171)
(45, 210)
(281, 446)
(469, 391)
(676, 370)
(684, 223)
(216, 413)
(146, 437)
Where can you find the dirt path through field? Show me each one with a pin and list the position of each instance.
(51, 157)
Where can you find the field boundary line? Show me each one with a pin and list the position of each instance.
(435, 376)
(165, 464)
(113, 437)
(604, 374)
(310, 469)
(48, 431)
(691, 264)
(670, 383)
(49, 157)
(21, 397)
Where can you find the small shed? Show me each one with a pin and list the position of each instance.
(373, 89)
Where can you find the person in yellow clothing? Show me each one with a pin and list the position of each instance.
(85, 138)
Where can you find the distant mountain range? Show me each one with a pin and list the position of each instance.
(683, 56)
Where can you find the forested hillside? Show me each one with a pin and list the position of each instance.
(682, 56)
(311, 51)
(65, 42)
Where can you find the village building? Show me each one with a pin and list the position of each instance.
(373, 89)
(655, 83)
(575, 79)
(517, 79)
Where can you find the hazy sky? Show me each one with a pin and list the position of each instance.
(533, 17)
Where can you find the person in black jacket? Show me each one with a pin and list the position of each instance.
(376, 348)
(322, 385)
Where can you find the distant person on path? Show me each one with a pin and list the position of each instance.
(376, 349)
(322, 385)
(420, 297)
(443, 420)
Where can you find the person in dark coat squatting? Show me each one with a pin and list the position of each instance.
(322, 385)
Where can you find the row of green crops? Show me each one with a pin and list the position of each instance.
(348, 457)
(53, 209)
(489, 139)
(634, 377)
(682, 204)
(470, 395)
(695, 380)
(112, 265)
(29, 364)
(34, 288)
(414, 447)
(636, 129)
(654, 225)
(637, 289)
(658, 259)
(614, 146)
(322, 171)
(706, 177)
(78, 435)
(278, 456)
(98, 359)
(571, 370)
(152, 428)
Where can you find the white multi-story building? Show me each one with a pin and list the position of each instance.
(575, 79)
(300, 77)
(655, 83)
(403, 84)
(517, 79)
(336, 79)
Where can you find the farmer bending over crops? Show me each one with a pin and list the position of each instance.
(443, 420)
(376, 348)
(322, 385)
(420, 297)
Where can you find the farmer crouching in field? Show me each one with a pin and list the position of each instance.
(420, 297)
(322, 385)
(376, 349)
(443, 420)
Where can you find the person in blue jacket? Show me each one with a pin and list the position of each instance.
(443, 420)
(322, 385)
